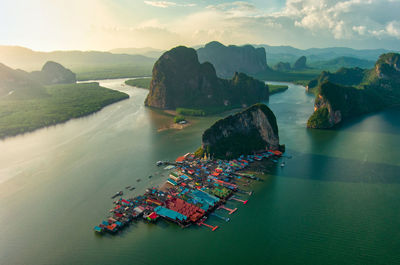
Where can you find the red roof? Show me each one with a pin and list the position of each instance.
(180, 159)
(153, 216)
(111, 227)
(192, 211)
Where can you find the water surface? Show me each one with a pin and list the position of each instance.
(336, 201)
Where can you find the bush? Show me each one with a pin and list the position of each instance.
(179, 118)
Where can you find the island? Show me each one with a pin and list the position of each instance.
(252, 130)
(139, 82)
(29, 101)
(179, 80)
(353, 92)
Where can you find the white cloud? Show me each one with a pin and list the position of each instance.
(345, 19)
(165, 4)
(301, 23)
(393, 29)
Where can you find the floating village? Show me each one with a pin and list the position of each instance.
(194, 190)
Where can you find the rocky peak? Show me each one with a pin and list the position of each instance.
(388, 66)
(300, 64)
(179, 80)
(253, 129)
(54, 73)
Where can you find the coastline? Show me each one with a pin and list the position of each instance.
(85, 109)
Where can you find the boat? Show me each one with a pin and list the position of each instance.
(138, 180)
(132, 188)
(150, 176)
(98, 229)
(159, 163)
(127, 187)
(283, 164)
(120, 193)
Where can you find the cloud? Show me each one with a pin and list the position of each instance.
(165, 4)
(345, 19)
(393, 29)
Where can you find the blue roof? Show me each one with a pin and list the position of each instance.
(204, 197)
(172, 181)
(162, 211)
(184, 177)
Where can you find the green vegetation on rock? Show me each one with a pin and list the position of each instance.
(371, 90)
(139, 82)
(251, 130)
(319, 119)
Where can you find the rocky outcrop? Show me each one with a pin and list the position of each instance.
(282, 67)
(54, 73)
(251, 130)
(373, 90)
(300, 64)
(179, 80)
(335, 103)
(230, 59)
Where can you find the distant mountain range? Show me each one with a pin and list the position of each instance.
(230, 59)
(131, 62)
(343, 61)
(87, 64)
(290, 54)
(147, 51)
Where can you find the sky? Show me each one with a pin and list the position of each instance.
(106, 24)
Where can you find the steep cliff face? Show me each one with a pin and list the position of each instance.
(230, 59)
(54, 73)
(335, 103)
(376, 89)
(179, 80)
(253, 129)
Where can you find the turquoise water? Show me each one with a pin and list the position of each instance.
(335, 202)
